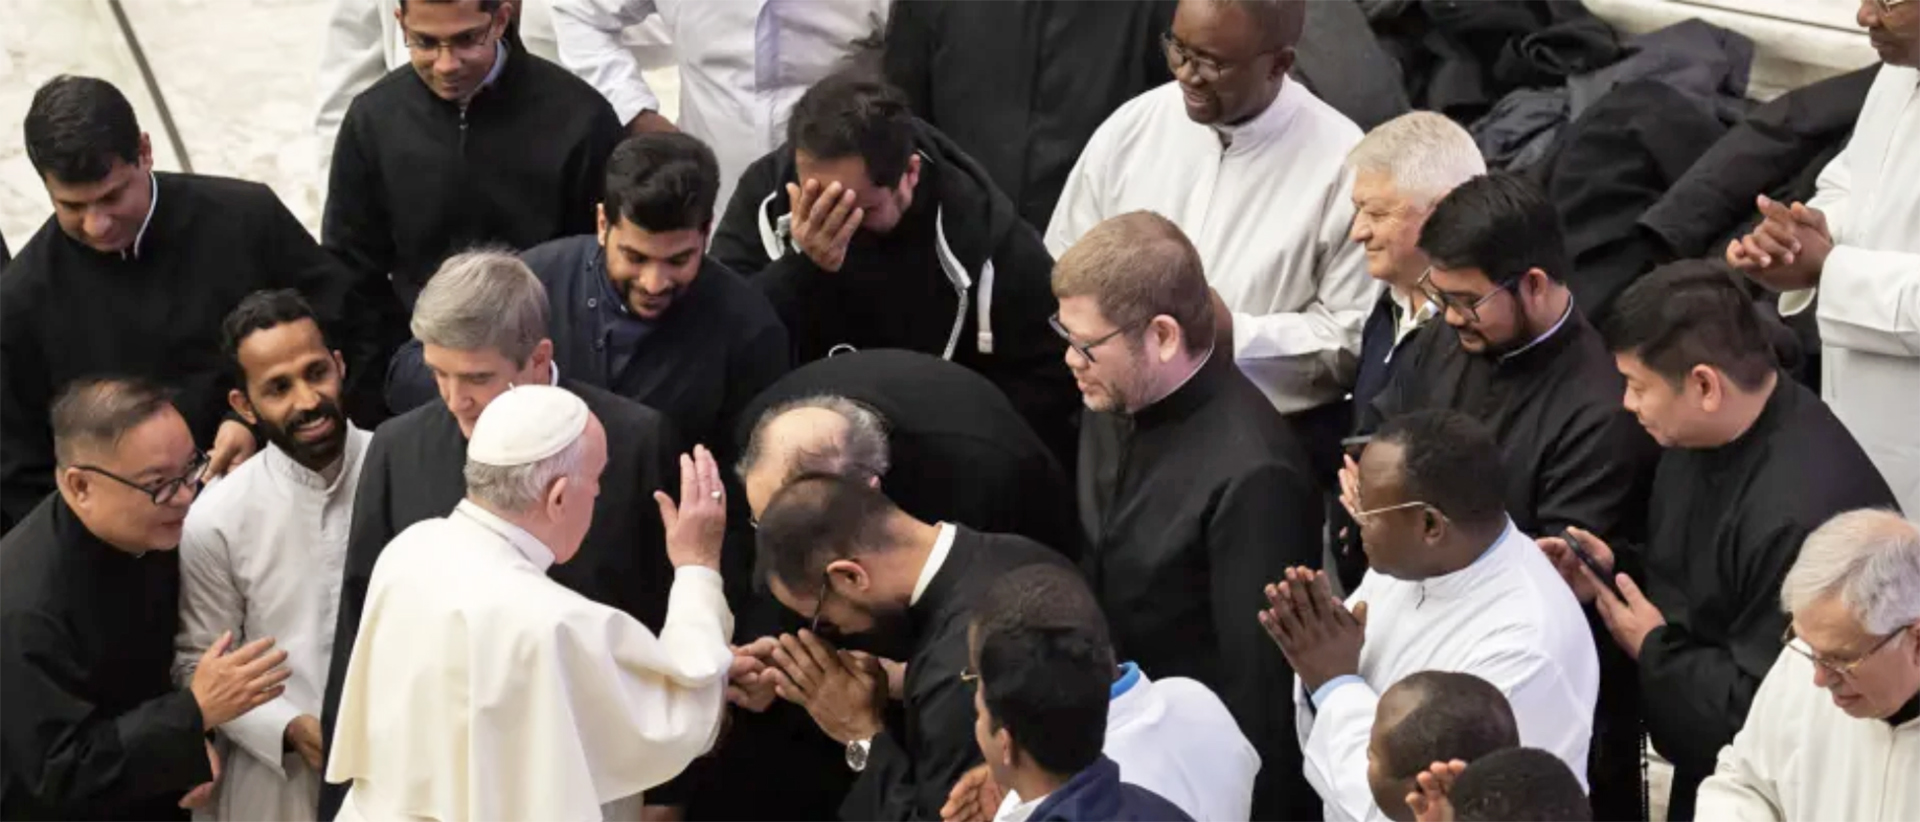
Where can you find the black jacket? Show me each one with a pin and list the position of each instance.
(959, 451)
(416, 179)
(1022, 85)
(913, 764)
(414, 471)
(1725, 524)
(92, 726)
(1193, 505)
(67, 311)
(961, 277)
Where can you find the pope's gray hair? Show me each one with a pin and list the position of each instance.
(862, 454)
(483, 300)
(1424, 153)
(1870, 559)
(519, 488)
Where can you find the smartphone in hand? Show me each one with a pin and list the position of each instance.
(1606, 576)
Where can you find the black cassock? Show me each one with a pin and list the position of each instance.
(91, 726)
(413, 472)
(1726, 524)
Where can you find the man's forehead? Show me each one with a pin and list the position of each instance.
(432, 16)
(1466, 277)
(118, 175)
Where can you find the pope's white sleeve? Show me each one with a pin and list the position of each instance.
(211, 604)
(1335, 752)
(1082, 204)
(1833, 192)
(1328, 328)
(353, 56)
(588, 35)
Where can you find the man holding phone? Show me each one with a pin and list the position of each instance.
(1754, 462)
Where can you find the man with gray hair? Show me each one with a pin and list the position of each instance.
(483, 320)
(537, 702)
(1834, 732)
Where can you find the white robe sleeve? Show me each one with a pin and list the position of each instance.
(211, 604)
(1334, 748)
(1083, 201)
(1329, 327)
(1833, 191)
(1870, 301)
(353, 56)
(587, 33)
(1742, 785)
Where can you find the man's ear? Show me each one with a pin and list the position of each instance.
(910, 179)
(853, 575)
(1283, 61)
(237, 400)
(557, 497)
(146, 153)
(1163, 334)
(1712, 385)
(76, 483)
(542, 353)
(1010, 754)
(600, 218)
(340, 366)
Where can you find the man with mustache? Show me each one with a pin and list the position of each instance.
(262, 549)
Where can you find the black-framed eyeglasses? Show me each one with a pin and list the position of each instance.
(1840, 668)
(467, 41)
(1469, 309)
(826, 590)
(162, 490)
(1207, 69)
(1085, 348)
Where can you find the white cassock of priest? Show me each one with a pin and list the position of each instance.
(261, 556)
(1266, 203)
(1507, 618)
(1869, 306)
(481, 689)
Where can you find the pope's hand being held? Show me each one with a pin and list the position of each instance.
(697, 525)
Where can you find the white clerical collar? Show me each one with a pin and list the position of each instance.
(530, 547)
(1021, 811)
(1197, 367)
(942, 545)
(284, 463)
(553, 376)
(1270, 122)
(1543, 337)
(132, 252)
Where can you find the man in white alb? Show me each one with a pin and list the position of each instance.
(481, 689)
(1453, 586)
(261, 552)
(1856, 246)
(1250, 165)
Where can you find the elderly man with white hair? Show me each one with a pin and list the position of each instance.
(1834, 732)
(481, 689)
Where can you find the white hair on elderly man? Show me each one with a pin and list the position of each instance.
(1870, 559)
(1425, 154)
(520, 488)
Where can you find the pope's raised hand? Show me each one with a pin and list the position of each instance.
(697, 525)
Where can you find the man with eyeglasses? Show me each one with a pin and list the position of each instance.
(1854, 247)
(1454, 585)
(92, 725)
(1754, 462)
(1250, 164)
(474, 143)
(1834, 732)
(867, 576)
(1192, 488)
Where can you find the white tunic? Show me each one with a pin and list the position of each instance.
(481, 689)
(1269, 215)
(261, 556)
(1801, 757)
(743, 63)
(1508, 618)
(1869, 308)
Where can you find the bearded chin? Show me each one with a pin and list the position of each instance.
(890, 638)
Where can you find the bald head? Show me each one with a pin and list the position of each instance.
(824, 434)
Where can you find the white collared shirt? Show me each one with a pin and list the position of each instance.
(942, 545)
(1410, 317)
(1543, 337)
(1021, 811)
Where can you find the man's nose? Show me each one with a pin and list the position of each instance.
(97, 223)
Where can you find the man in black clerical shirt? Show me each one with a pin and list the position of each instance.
(866, 575)
(92, 726)
(475, 142)
(1516, 353)
(132, 275)
(1754, 463)
(1192, 488)
(871, 229)
(483, 320)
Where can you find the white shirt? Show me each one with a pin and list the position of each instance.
(262, 555)
(1508, 618)
(942, 546)
(481, 689)
(743, 63)
(1869, 309)
(1269, 215)
(1801, 757)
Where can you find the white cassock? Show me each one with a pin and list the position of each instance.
(1869, 307)
(743, 63)
(481, 689)
(1175, 738)
(1508, 618)
(261, 556)
(1269, 214)
(1801, 757)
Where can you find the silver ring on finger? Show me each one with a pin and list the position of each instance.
(716, 496)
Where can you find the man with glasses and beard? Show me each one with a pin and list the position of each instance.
(262, 550)
(1516, 354)
(866, 574)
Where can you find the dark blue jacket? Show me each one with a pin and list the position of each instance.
(1377, 348)
(1097, 795)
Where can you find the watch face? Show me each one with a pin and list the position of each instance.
(857, 755)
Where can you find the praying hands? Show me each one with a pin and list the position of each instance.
(1787, 250)
(844, 691)
(1319, 636)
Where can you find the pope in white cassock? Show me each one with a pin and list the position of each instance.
(481, 689)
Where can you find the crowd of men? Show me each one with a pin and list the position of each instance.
(986, 431)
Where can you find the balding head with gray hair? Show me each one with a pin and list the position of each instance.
(820, 434)
(483, 300)
(1870, 560)
(1424, 155)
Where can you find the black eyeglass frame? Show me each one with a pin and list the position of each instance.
(161, 490)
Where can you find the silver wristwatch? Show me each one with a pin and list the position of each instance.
(857, 751)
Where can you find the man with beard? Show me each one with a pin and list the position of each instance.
(866, 574)
(262, 549)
